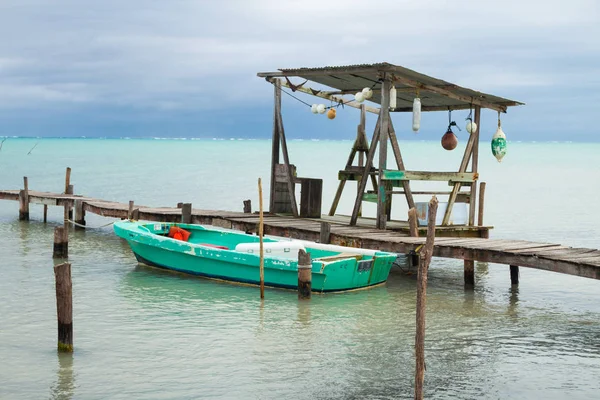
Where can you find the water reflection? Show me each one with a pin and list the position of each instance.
(513, 301)
(64, 387)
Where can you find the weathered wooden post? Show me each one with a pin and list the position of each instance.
(481, 200)
(325, 235)
(24, 201)
(79, 214)
(304, 275)
(424, 259)
(45, 213)
(61, 246)
(514, 274)
(186, 213)
(469, 273)
(64, 306)
(67, 180)
(247, 206)
(179, 205)
(260, 239)
(130, 210)
(413, 225)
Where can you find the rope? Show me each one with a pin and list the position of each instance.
(89, 227)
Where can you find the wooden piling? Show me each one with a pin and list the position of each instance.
(304, 275)
(45, 213)
(64, 307)
(481, 201)
(130, 210)
(514, 274)
(469, 273)
(61, 246)
(24, 201)
(70, 210)
(67, 180)
(79, 214)
(424, 261)
(247, 206)
(260, 238)
(179, 205)
(325, 236)
(186, 213)
(413, 224)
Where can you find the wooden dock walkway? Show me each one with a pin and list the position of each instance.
(582, 262)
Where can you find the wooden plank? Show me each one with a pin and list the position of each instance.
(395, 175)
(275, 142)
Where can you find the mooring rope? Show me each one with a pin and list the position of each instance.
(89, 227)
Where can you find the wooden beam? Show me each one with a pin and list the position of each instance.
(481, 203)
(384, 130)
(275, 142)
(474, 166)
(335, 99)
(395, 175)
(444, 91)
(286, 159)
(400, 164)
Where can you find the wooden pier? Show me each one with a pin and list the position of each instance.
(582, 262)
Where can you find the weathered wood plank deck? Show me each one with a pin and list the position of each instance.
(582, 262)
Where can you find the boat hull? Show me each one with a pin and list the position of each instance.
(228, 265)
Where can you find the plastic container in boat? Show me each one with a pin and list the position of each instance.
(272, 249)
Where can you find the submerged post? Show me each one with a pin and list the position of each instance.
(45, 213)
(79, 214)
(61, 246)
(304, 275)
(325, 236)
(469, 273)
(24, 201)
(424, 259)
(186, 213)
(260, 238)
(247, 206)
(64, 306)
(514, 274)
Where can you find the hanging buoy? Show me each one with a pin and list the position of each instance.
(367, 93)
(499, 144)
(416, 125)
(359, 97)
(321, 108)
(471, 126)
(393, 97)
(449, 140)
(331, 113)
(314, 109)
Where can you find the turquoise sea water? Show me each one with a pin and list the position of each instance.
(142, 333)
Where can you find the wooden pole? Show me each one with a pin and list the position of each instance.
(67, 180)
(130, 210)
(247, 206)
(424, 260)
(469, 273)
(61, 247)
(179, 205)
(413, 225)
(304, 275)
(383, 140)
(45, 213)
(481, 201)
(64, 306)
(24, 201)
(70, 210)
(186, 213)
(474, 166)
(514, 274)
(325, 235)
(260, 238)
(79, 214)
(275, 141)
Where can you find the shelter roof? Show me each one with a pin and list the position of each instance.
(436, 94)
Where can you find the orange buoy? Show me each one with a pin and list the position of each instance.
(449, 140)
(331, 113)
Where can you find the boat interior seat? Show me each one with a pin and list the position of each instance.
(340, 256)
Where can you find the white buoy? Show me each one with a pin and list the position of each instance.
(367, 93)
(416, 125)
(359, 97)
(321, 108)
(393, 97)
(471, 126)
(313, 109)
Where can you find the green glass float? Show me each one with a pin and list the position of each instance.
(499, 142)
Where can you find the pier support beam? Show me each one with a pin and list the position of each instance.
(24, 201)
(79, 214)
(61, 246)
(70, 190)
(514, 274)
(469, 273)
(304, 275)
(325, 235)
(413, 225)
(45, 213)
(186, 213)
(64, 307)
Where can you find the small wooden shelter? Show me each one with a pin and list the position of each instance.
(435, 95)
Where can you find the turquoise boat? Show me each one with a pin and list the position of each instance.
(234, 256)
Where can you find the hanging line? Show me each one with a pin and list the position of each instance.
(342, 102)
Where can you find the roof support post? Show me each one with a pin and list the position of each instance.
(384, 128)
(474, 166)
(275, 141)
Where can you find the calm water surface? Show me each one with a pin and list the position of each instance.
(143, 333)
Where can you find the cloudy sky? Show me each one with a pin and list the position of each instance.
(188, 68)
